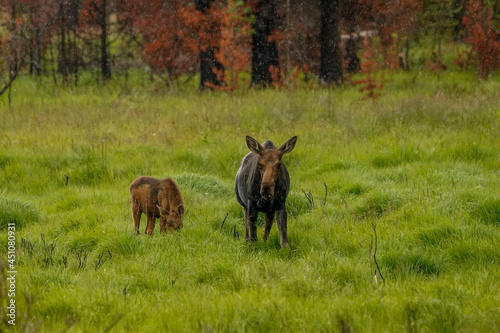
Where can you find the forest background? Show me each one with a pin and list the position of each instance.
(232, 44)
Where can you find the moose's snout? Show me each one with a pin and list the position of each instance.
(268, 183)
(267, 190)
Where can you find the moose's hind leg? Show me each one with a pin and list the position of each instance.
(250, 224)
(281, 221)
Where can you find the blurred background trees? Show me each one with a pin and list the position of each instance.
(227, 43)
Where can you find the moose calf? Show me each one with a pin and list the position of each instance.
(157, 198)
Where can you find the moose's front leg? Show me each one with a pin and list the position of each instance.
(281, 221)
(252, 223)
(269, 224)
(247, 223)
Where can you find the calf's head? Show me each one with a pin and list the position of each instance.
(171, 220)
(269, 163)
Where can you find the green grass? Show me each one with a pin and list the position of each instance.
(421, 163)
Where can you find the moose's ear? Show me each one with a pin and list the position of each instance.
(254, 146)
(180, 209)
(163, 212)
(288, 146)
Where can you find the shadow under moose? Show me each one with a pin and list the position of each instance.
(157, 198)
(262, 185)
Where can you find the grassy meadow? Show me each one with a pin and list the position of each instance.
(420, 163)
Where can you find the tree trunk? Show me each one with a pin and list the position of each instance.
(63, 56)
(37, 53)
(38, 33)
(458, 15)
(36, 40)
(331, 52)
(407, 54)
(73, 17)
(102, 18)
(208, 62)
(265, 59)
(14, 58)
(351, 56)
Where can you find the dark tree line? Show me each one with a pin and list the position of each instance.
(266, 38)
(66, 29)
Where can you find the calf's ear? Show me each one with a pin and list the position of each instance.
(180, 209)
(254, 146)
(163, 212)
(288, 146)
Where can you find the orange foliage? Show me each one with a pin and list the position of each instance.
(233, 48)
(275, 76)
(369, 67)
(170, 45)
(482, 37)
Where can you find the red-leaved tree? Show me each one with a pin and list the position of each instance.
(372, 80)
(482, 36)
(234, 50)
(170, 45)
(224, 29)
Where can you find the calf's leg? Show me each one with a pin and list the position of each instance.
(136, 214)
(151, 225)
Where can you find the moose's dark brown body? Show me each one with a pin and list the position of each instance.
(157, 198)
(262, 185)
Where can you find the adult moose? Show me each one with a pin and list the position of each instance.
(262, 185)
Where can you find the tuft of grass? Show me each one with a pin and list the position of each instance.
(125, 244)
(438, 235)
(378, 203)
(405, 265)
(348, 275)
(203, 184)
(487, 211)
(5, 160)
(17, 212)
(355, 189)
(394, 158)
(297, 204)
(474, 253)
(472, 152)
(90, 172)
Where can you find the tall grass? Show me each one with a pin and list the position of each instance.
(420, 163)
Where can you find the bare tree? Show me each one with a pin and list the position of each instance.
(208, 62)
(331, 51)
(264, 50)
(102, 9)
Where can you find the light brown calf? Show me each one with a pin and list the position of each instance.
(157, 198)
